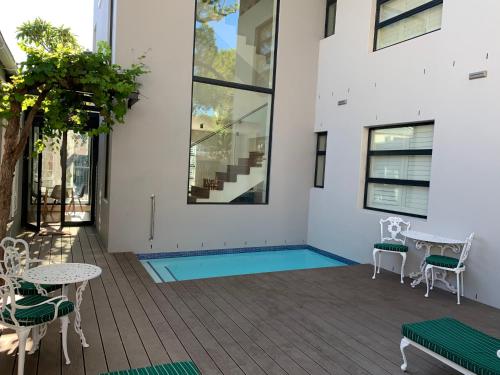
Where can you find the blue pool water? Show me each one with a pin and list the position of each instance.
(245, 263)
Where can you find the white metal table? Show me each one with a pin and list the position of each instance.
(427, 241)
(65, 274)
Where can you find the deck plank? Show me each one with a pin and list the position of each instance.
(308, 322)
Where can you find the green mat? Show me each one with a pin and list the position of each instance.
(177, 368)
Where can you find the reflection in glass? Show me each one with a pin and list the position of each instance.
(393, 8)
(229, 145)
(331, 14)
(398, 198)
(235, 41)
(411, 27)
(78, 178)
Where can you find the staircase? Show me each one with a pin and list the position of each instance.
(236, 181)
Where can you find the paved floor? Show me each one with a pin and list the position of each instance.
(325, 321)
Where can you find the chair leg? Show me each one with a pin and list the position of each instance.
(375, 251)
(402, 346)
(22, 334)
(462, 283)
(64, 330)
(458, 288)
(433, 274)
(403, 255)
(379, 261)
(426, 272)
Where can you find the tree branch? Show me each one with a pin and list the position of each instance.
(28, 124)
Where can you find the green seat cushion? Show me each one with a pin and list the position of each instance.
(39, 314)
(29, 289)
(177, 368)
(442, 261)
(464, 345)
(391, 247)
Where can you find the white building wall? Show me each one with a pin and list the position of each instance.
(102, 32)
(150, 152)
(422, 79)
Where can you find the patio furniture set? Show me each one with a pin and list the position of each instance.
(394, 232)
(454, 343)
(24, 294)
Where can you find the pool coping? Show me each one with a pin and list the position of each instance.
(177, 254)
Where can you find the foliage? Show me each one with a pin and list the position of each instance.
(215, 10)
(58, 73)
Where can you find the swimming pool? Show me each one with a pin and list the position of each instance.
(169, 268)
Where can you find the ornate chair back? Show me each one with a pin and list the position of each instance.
(466, 249)
(16, 258)
(391, 228)
(7, 300)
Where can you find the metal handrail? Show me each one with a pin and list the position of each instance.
(208, 136)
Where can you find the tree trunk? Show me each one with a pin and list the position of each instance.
(7, 170)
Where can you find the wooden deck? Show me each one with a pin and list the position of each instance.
(328, 321)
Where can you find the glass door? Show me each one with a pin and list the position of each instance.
(78, 179)
(59, 183)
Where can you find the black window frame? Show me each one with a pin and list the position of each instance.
(388, 181)
(412, 12)
(239, 86)
(318, 154)
(327, 17)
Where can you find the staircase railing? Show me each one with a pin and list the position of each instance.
(208, 136)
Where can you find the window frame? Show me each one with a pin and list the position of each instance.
(389, 181)
(327, 16)
(320, 153)
(409, 13)
(238, 86)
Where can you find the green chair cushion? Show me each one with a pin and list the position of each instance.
(464, 345)
(391, 247)
(442, 261)
(177, 368)
(29, 289)
(39, 314)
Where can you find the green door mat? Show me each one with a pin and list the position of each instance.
(177, 368)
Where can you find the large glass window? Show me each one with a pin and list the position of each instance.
(331, 16)
(233, 90)
(401, 20)
(399, 169)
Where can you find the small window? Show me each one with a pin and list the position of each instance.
(319, 174)
(399, 169)
(401, 20)
(331, 14)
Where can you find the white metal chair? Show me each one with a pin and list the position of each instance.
(446, 263)
(30, 313)
(391, 242)
(16, 261)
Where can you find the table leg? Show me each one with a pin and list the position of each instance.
(78, 318)
(419, 276)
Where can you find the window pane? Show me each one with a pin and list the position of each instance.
(419, 24)
(320, 171)
(416, 168)
(394, 8)
(235, 41)
(330, 19)
(402, 138)
(321, 142)
(398, 198)
(229, 145)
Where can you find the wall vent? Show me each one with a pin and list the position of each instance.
(478, 75)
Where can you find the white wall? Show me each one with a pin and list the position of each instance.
(150, 153)
(388, 87)
(102, 21)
